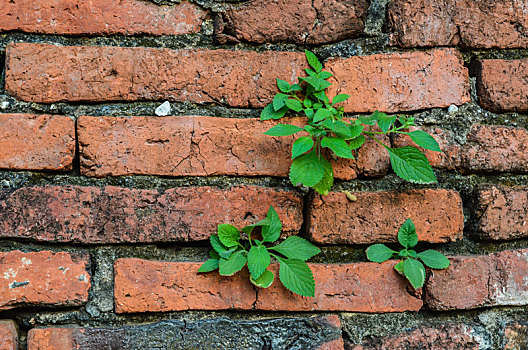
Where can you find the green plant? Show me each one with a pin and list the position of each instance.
(327, 128)
(409, 264)
(230, 255)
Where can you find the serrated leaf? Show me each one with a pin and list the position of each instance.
(283, 85)
(297, 277)
(340, 98)
(217, 245)
(270, 113)
(307, 103)
(295, 87)
(324, 75)
(258, 260)
(309, 112)
(214, 255)
(294, 105)
(310, 72)
(264, 281)
(424, 140)
(235, 263)
(249, 228)
(415, 272)
(271, 232)
(411, 165)
(295, 247)
(357, 142)
(385, 121)
(283, 130)
(278, 101)
(323, 187)
(228, 235)
(301, 145)
(306, 169)
(319, 85)
(209, 265)
(379, 253)
(313, 61)
(369, 120)
(434, 259)
(356, 130)
(321, 114)
(338, 127)
(399, 267)
(338, 146)
(407, 234)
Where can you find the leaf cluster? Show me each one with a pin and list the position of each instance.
(410, 265)
(328, 128)
(230, 254)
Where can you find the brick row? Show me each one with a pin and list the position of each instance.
(8, 335)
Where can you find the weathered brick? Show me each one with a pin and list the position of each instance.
(200, 146)
(299, 21)
(100, 18)
(43, 279)
(469, 23)
(502, 84)
(516, 336)
(435, 337)
(488, 280)
(437, 214)
(8, 335)
(502, 212)
(400, 81)
(495, 149)
(152, 286)
(116, 215)
(99, 73)
(36, 142)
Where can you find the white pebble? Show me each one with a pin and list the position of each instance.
(163, 109)
(452, 109)
(4, 105)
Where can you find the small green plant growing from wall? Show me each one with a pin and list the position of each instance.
(230, 254)
(409, 265)
(327, 128)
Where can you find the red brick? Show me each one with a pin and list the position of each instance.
(8, 335)
(502, 212)
(36, 142)
(516, 336)
(102, 17)
(152, 286)
(469, 23)
(200, 146)
(501, 84)
(298, 21)
(495, 149)
(400, 81)
(437, 214)
(95, 74)
(52, 338)
(438, 337)
(43, 279)
(489, 280)
(122, 215)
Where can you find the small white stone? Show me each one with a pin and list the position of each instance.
(452, 109)
(163, 109)
(4, 105)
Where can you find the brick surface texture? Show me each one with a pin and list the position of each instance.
(8, 335)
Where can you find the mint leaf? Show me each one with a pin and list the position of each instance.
(278, 101)
(221, 249)
(297, 277)
(213, 254)
(399, 267)
(323, 187)
(319, 85)
(294, 104)
(270, 113)
(411, 165)
(338, 127)
(313, 61)
(264, 281)
(321, 114)
(357, 142)
(369, 120)
(424, 140)
(295, 247)
(307, 170)
(407, 234)
(228, 234)
(385, 122)
(379, 253)
(340, 98)
(434, 259)
(301, 145)
(209, 265)
(356, 130)
(415, 272)
(235, 263)
(271, 232)
(258, 260)
(295, 87)
(324, 75)
(283, 130)
(338, 146)
(284, 86)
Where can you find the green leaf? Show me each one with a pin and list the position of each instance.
(338, 146)
(209, 265)
(356, 130)
(294, 104)
(319, 85)
(310, 72)
(214, 255)
(385, 122)
(295, 247)
(284, 86)
(407, 234)
(411, 165)
(323, 187)
(307, 170)
(338, 127)
(357, 142)
(424, 140)
(283, 130)
(415, 272)
(264, 281)
(321, 114)
(271, 232)
(228, 234)
(297, 277)
(258, 260)
(399, 267)
(217, 245)
(434, 259)
(313, 61)
(235, 263)
(340, 98)
(379, 253)
(324, 75)
(369, 120)
(307, 103)
(278, 101)
(270, 113)
(309, 112)
(295, 87)
(248, 229)
(301, 145)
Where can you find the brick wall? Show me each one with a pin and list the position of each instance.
(105, 207)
